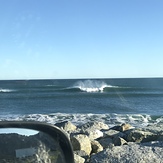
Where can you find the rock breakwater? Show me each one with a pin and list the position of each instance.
(95, 142)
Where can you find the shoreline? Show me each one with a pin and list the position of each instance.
(112, 119)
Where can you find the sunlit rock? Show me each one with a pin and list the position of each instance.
(78, 159)
(132, 153)
(81, 142)
(66, 126)
(96, 146)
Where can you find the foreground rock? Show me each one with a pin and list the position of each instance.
(95, 142)
(96, 146)
(81, 142)
(78, 159)
(131, 153)
(140, 136)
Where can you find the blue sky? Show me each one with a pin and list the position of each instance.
(53, 39)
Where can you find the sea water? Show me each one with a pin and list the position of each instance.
(138, 101)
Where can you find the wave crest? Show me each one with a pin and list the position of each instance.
(5, 90)
(91, 85)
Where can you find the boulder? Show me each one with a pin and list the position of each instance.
(119, 141)
(66, 126)
(93, 126)
(81, 142)
(94, 134)
(106, 142)
(82, 154)
(96, 146)
(156, 129)
(140, 136)
(78, 159)
(92, 129)
(123, 127)
(132, 153)
(113, 133)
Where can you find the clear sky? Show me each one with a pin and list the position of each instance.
(81, 39)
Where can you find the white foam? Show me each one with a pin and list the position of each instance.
(91, 85)
(159, 120)
(110, 119)
(6, 90)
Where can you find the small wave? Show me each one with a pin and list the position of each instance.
(92, 86)
(5, 90)
(52, 85)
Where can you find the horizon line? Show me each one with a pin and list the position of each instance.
(97, 78)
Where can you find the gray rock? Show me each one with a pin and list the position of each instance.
(93, 126)
(132, 153)
(66, 126)
(78, 159)
(96, 146)
(106, 142)
(82, 153)
(140, 136)
(113, 133)
(119, 141)
(123, 127)
(156, 129)
(81, 142)
(94, 134)
(92, 129)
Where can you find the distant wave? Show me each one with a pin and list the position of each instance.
(91, 86)
(5, 90)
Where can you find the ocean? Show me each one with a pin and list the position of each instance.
(138, 101)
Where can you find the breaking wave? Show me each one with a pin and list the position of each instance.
(5, 90)
(91, 86)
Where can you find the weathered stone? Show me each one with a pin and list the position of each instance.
(140, 136)
(66, 126)
(106, 142)
(113, 133)
(94, 134)
(131, 153)
(81, 142)
(156, 129)
(78, 159)
(119, 141)
(153, 144)
(94, 126)
(82, 153)
(92, 129)
(123, 127)
(96, 146)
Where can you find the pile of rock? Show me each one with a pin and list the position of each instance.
(95, 142)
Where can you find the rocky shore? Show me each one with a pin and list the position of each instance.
(95, 142)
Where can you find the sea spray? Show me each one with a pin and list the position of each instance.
(91, 85)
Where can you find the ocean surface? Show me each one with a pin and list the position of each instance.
(138, 101)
